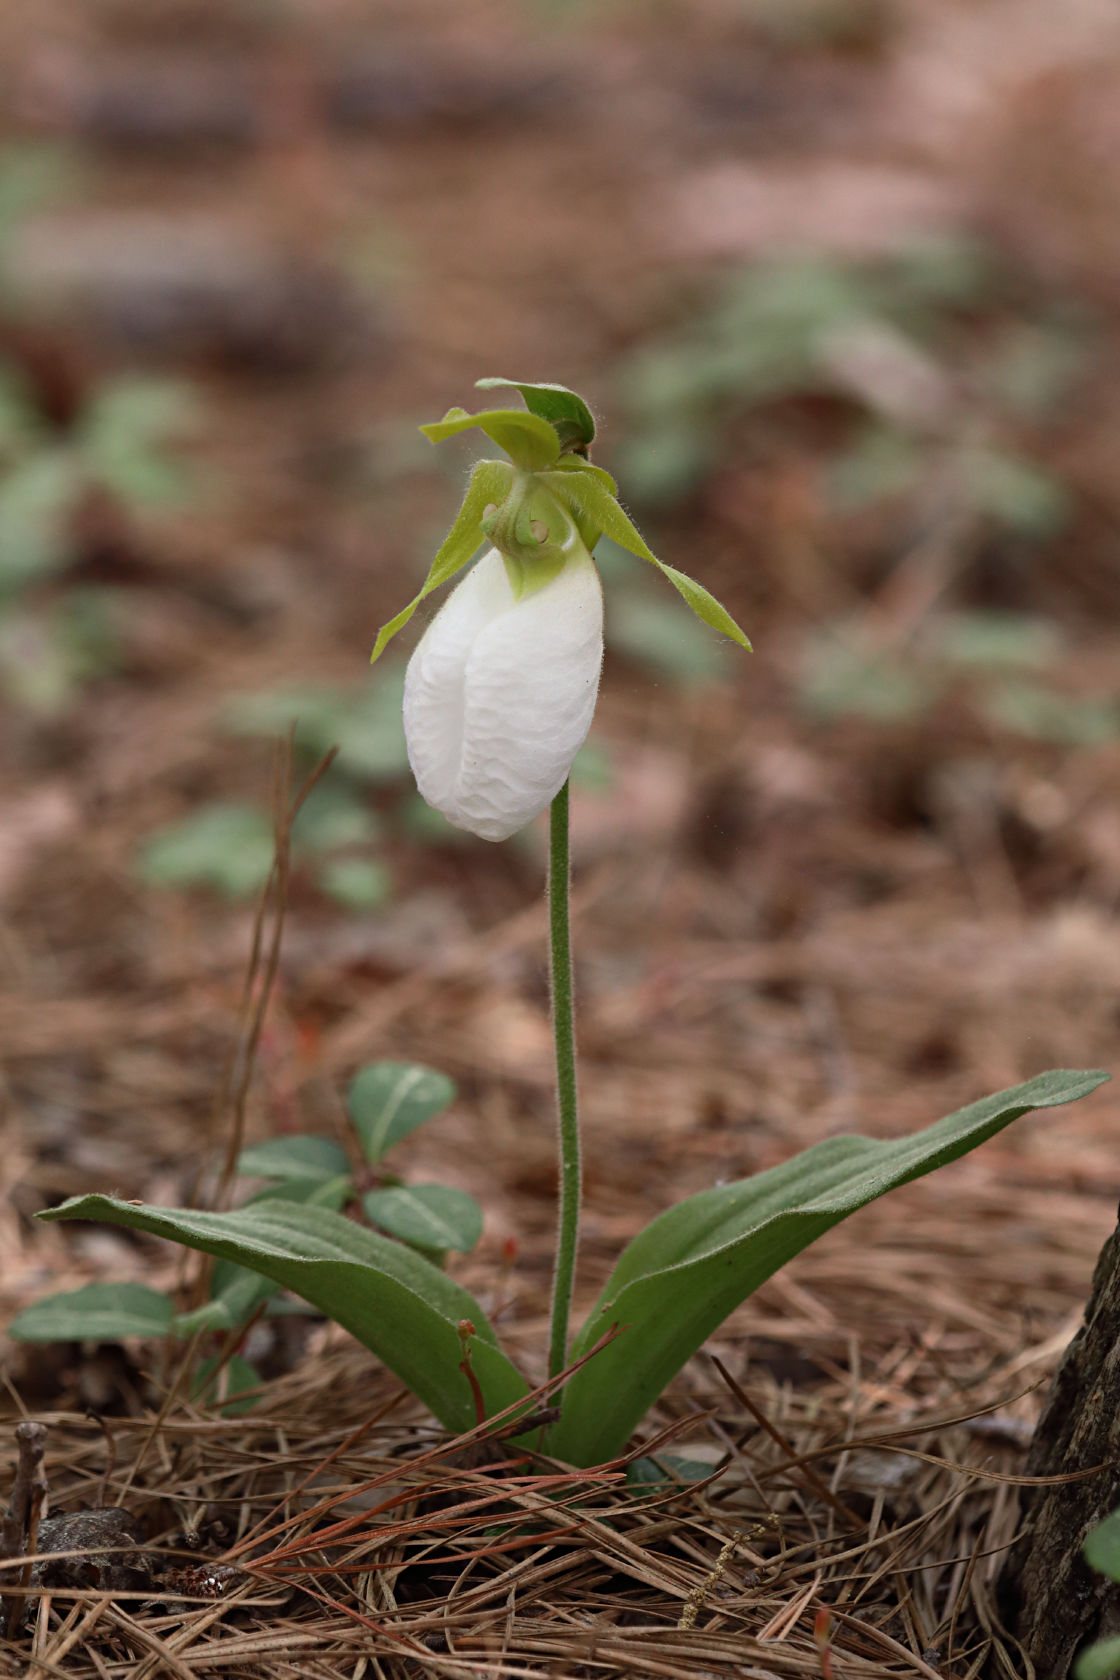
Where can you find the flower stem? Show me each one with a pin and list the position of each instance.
(563, 1033)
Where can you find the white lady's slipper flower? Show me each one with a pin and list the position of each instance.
(500, 692)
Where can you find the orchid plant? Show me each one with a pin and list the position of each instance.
(498, 699)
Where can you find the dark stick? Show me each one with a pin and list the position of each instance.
(19, 1526)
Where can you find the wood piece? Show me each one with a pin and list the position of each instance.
(20, 1523)
(1052, 1601)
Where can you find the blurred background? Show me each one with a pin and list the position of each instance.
(842, 280)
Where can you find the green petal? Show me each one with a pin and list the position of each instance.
(576, 464)
(490, 482)
(588, 495)
(530, 442)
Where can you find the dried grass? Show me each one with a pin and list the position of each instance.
(782, 933)
(336, 1533)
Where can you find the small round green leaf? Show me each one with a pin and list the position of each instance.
(427, 1216)
(1102, 1546)
(301, 1157)
(226, 846)
(215, 1380)
(645, 1476)
(101, 1312)
(1099, 1660)
(390, 1099)
(356, 883)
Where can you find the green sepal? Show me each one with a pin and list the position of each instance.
(400, 1306)
(563, 409)
(530, 442)
(590, 499)
(490, 482)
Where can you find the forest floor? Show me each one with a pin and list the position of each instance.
(798, 910)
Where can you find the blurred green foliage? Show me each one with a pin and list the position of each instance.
(839, 25)
(365, 725)
(1008, 665)
(228, 846)
(943, 366)
(120, 445)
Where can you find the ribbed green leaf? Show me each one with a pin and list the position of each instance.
(235, 1291)
(388, 1100)
(435, 1216)
(681, 1277)
(589, 496)
(490, 482)
(562, 408)
(400, 1306)
(530, 442)
(101, 1312)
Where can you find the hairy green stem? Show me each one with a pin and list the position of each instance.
(563, 1033)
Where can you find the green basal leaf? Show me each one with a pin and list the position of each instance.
(430, 1216)
(589, 496)
(1102, 1547)
(235, 1291)
(530, 442)
(563, 409)
(1099, 1661)
(397, 1304)
(490, 482)
(388, 1100)
(681, 1277)
(303, 1157)
(101, 1312)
